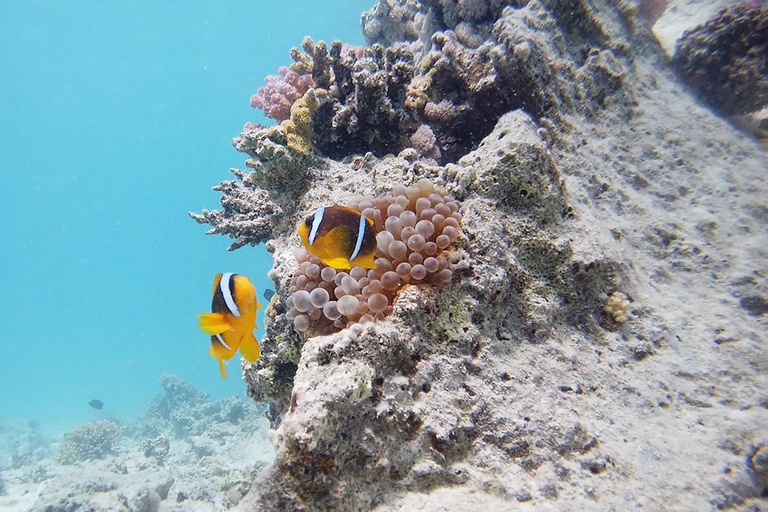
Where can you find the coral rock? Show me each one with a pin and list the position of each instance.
(726, 59)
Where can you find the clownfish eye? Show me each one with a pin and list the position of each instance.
(309, 220)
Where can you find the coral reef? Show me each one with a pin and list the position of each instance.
(22, 443)
(576, 164)
(181, 411)
(726, 59)
(248, 213)
(223, 446)
(89, 441)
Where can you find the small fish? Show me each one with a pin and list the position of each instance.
(340, 237)
(232, 319)
(96, 404)
(268, 294)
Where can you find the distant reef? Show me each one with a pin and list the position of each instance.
(599, 342)
(184, 453)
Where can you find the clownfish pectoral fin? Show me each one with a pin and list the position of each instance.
(339, 237)
(213, 323)
(249, 348)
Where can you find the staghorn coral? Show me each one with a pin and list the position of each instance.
(281, 91)
(247, 216)
(726, 59)
(89, 441)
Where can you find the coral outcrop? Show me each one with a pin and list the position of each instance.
(578, 166)
(726, 59)
(90, 441)
(281, 91)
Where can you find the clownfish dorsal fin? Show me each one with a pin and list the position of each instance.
(213, 323)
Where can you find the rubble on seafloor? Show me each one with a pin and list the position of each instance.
(185, 453)
(584, 169)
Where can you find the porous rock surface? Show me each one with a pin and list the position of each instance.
(726, 59)
(511, 386)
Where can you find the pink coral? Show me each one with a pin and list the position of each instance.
(276, 98)
(424, 142)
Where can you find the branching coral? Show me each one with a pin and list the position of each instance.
(248, 214)
(298, 129)
(281, 91)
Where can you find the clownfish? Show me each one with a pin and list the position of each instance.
(340, 237)
(232, 319)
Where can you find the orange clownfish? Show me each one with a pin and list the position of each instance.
(340, 237)
(232, 319)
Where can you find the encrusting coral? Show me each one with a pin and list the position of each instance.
(617, 306)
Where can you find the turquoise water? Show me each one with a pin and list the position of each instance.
(115, 121)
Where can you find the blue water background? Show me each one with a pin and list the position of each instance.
(116, 119)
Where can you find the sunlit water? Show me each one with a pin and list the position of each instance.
(115, 121)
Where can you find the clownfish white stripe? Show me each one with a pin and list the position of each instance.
(316, 224)
(360, 235)
(221, 340)
(226, 292)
